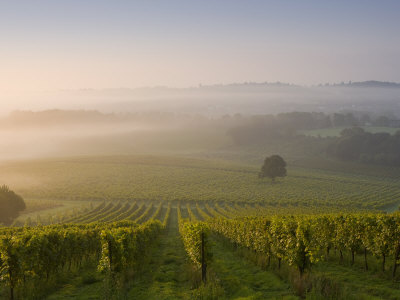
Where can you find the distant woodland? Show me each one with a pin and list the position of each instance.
(354, 143)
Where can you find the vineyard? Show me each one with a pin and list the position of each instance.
(292, 255)
(182, 228)
(188, 179)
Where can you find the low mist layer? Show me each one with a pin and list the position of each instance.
(248, 98)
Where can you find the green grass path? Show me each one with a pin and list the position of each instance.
(78, 287)
(166, 276)
(242, 279)
(359, 284)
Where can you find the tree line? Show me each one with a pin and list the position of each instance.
(357, 144)
(11, 204)
(255, 129)
(354, 143)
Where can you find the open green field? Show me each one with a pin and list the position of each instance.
(170, 178)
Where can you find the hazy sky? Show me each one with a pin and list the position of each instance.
(59, 44)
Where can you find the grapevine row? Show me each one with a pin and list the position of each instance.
(195, 240)
(39, 253)
(304, 240)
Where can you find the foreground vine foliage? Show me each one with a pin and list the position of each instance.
(36, 254)
(195, 239)
(304, 240)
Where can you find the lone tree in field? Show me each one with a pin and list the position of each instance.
(274, 166)
(10, 205)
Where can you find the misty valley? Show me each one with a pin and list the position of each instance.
(109, 196)
(199, 150)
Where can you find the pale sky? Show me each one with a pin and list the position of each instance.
(71, 44)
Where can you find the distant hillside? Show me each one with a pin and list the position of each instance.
(372, 83)
(248, 98)
(369, 83)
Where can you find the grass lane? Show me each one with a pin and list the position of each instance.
(358, 284)
(243, 280)
(86, 285)
(166, 275)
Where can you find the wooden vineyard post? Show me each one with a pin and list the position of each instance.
(11, 288)
(396, 259)
(203, 262)
(10, 273)
(110, 254)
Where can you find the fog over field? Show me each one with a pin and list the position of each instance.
(48, 123)
(31, 127)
